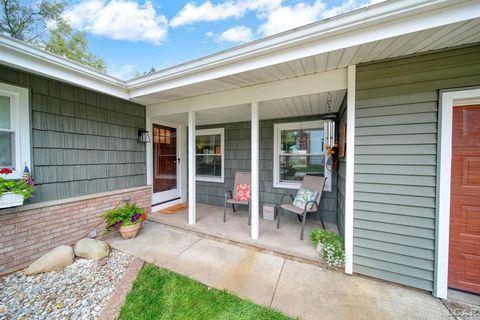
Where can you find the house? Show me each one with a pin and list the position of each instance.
(402, 78)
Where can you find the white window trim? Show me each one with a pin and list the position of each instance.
(277, 128)
(20, 119)
(448, 100)
(215, 131)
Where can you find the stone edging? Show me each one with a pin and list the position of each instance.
(111, 310)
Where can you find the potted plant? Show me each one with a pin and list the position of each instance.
(127, 219)
(13, 192)
(330, 246)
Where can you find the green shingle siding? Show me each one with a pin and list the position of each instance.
(395, 162)
(237, 158)
(83, 142)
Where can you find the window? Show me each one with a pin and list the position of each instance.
(14, 127)
(299, 149)
(210, 155)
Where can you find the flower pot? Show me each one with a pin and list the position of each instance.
(10, 199)
(130, 232)
(144, 216)
(319, 247)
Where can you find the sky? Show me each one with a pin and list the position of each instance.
(134, 36)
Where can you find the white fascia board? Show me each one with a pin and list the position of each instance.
(19, 55)
(315, 83)
(381, 21)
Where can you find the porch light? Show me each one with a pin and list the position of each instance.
(143, 136)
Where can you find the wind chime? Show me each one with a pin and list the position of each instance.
(329, 136)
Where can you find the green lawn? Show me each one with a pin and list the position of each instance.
(162, 294)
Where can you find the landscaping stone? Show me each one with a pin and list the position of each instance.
(79, 291)
(57, 259)
(91, 249)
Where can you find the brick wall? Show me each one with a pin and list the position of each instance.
(28, 232)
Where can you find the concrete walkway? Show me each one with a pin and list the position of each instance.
(298, 289)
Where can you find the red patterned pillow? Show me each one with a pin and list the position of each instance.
(242, 191)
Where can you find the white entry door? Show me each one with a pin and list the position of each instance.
(165, 164)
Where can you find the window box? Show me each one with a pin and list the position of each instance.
(10, 199)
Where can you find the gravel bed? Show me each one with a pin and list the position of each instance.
(77, 292)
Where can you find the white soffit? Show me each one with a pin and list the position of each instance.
(306, 105)
(452, 35)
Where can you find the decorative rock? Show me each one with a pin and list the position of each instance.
(75, 292)
(91, 249)
(55, 260)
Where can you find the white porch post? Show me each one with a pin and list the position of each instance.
(349, 181)
(255, 169)
(191, 169)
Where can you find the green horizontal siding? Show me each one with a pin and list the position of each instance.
(83, 142)
(395, 162)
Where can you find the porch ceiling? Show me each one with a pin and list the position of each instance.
(305, 105)
(452, 35)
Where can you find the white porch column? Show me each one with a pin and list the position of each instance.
(192, 219)
(255, 169)
(350, 162)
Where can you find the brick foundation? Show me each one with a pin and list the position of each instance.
(29, 231)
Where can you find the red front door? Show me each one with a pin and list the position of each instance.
(464, 252)
(164, 158)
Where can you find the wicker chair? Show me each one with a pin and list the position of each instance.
(311, 183)
(240, 178)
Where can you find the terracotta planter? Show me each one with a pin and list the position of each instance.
(144, 216)
(130, 232)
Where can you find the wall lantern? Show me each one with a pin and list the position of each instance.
(143, 136)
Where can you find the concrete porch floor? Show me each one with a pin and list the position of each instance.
(285, 240)
(296, 288)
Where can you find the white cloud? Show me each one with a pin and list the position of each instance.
(120, 20)
(238, 34)
(289, 17)
(125, 72)
(276, 16)
(208, 11)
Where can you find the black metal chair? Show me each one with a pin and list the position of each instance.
(240, 178)
(311, 183)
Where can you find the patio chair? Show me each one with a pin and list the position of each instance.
(314, 183)
(240, 178)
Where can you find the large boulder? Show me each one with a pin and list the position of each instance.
(91, 249)
(55, 260)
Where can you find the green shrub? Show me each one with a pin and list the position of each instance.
(320, 236)
(16, 186)
(333, 247)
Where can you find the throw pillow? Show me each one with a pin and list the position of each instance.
(242, 191)
(304, 196)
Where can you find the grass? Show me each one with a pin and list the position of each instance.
(162, 294)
